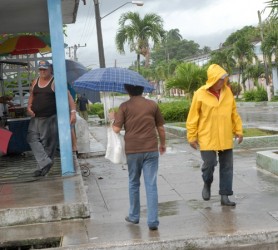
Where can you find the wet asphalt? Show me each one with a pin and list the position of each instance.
(186, 221)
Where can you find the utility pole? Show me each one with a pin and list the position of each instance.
(99, 36)
(99, 30)
(264, 57)
(75, 47)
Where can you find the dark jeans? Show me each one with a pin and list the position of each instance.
(225, 169)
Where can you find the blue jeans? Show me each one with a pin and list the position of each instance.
(148, 163)
(225, 168)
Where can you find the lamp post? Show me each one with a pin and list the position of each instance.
(99, 30)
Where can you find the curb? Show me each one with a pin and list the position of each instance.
(248, 142)
(213, 242)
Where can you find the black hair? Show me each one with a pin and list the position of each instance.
(134, 90)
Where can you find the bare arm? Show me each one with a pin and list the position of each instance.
(72, 109)
(162, 139)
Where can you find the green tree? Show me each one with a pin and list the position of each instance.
(273, 5)
(270, 40)
(138, 33)
(164, 69)
(224, 58)
(188, 77)
(173, 35)
(163, 52)
(175, 49)
(253, 72)
(205, 50)
(251, 33)
(243, 52)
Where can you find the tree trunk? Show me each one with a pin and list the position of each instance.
(138, 62)
(238, 82)
(147, 58)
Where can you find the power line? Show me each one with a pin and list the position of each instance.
(88, 22)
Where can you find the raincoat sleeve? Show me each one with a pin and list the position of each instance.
(193, 119)
(236, 121)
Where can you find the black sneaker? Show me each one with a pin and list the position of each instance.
(128, 220)
(153, 228)
(37, 173)
(46, 169)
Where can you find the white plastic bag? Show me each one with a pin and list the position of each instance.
(115, 151)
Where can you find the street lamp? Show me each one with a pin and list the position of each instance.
(138, 3)
(99, 31)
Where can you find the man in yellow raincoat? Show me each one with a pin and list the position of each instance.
(212, 124)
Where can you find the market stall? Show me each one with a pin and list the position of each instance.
(14, 117)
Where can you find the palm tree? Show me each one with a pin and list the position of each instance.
(270, 41)
(224, 58)
(243, 51)
(138, 33)
(163, 71)
(273, 5)
(188, 77)
(173, 35)
(253, 72)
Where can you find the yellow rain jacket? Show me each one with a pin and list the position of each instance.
(212, 122)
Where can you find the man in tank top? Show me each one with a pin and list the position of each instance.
(43, 128)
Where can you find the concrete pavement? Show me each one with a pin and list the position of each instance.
(186, 221)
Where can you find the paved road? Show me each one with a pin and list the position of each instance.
(186, 221)
(262, 116)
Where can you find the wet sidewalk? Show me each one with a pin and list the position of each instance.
(186, 221)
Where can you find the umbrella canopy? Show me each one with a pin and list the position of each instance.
(111, 80)
(25, 44)
(74, 70)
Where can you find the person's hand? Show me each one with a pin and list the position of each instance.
(239, 138)
(30, 112)
(194, 144)
(162, 149)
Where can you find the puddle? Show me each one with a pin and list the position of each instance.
(168, 208)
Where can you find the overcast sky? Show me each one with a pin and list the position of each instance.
(207, 22)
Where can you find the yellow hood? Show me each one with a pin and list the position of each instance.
(215, 72)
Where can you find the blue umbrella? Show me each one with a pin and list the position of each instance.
(111, 80)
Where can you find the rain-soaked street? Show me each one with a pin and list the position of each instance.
(182, 211)
(186, 220)
(259, 115)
